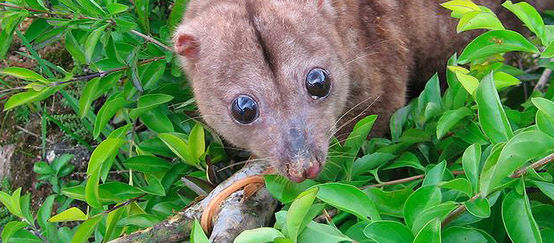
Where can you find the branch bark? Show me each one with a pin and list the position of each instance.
(236, 213)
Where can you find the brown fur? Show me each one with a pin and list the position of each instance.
(265, 48)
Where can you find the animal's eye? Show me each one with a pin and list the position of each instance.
(244, 109)
(318, 83)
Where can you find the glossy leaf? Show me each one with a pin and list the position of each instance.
(518, 220)
(430, 233)
(479, 20)
(84, 231)
(388, 232)
(92, 40)
(529, 16)
(259, 235)
(146, 163)
(520, 149)
(348, 198)
(197, 234)
(458, 234)
(450, 119)
(23, 73)
(492, 116)
(297, 212)
(71, 214)
(495, 42)
(322, 233)
(479, 207)
(106, 113)
(29, 97)
(471, 159)
(149, 102)
(421, 199)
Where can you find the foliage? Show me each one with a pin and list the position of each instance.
(463, 149)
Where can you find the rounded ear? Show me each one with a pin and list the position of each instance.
(187, 45)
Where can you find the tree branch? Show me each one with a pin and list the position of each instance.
(544, 78)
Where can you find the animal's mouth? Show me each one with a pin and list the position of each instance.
(302, 169)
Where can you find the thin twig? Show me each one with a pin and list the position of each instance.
(404, 180)
(124, 204)
(32, 133)
(151, 39)
(104, 73)
(545, 76)
(535, 165)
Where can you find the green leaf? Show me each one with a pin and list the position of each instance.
(92, 192)
(10, 228)
(492, 116)
(94, 89)
(104, 151)
(547, 235)
(458, 234)
(157, 121)
(460, 7)
(297, 212)
(42, 168)
(23, 235)
(322, 233)
(389, 202)
(197, 234)
(469, 82)
(440, 211)
(111, 222)
(149, 102)
(29, 97)
(529, 16)
(147, 164)
(545, 123)
(23, 73)
(471, 159)
(115, 8)
(521, 148)
(450, 119)
(518, 219)
(384, 231)
(84, 231)
(503, 80)
(430, 233)
(71, 214)
(423, 198)
(544, 105)
(434, 175)
(106, 113)
(143, 11)
(177, 12)
(479, 207)
(259, 235)
(458, 184)
(285, 190)
(72, 46)
(44, 212)
(549, 51)
(141, 220)
(370, 161)
(92, 40)
(197, 141)
(546, 188)
(495, 42)
(479, 20)
(348, 198)
(179, 146)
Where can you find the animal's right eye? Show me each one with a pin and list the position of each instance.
(244, 109)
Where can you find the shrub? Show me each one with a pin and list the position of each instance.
(475, 161)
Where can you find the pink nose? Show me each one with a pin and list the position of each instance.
(307, 173)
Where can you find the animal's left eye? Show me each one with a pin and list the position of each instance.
(318, 83)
